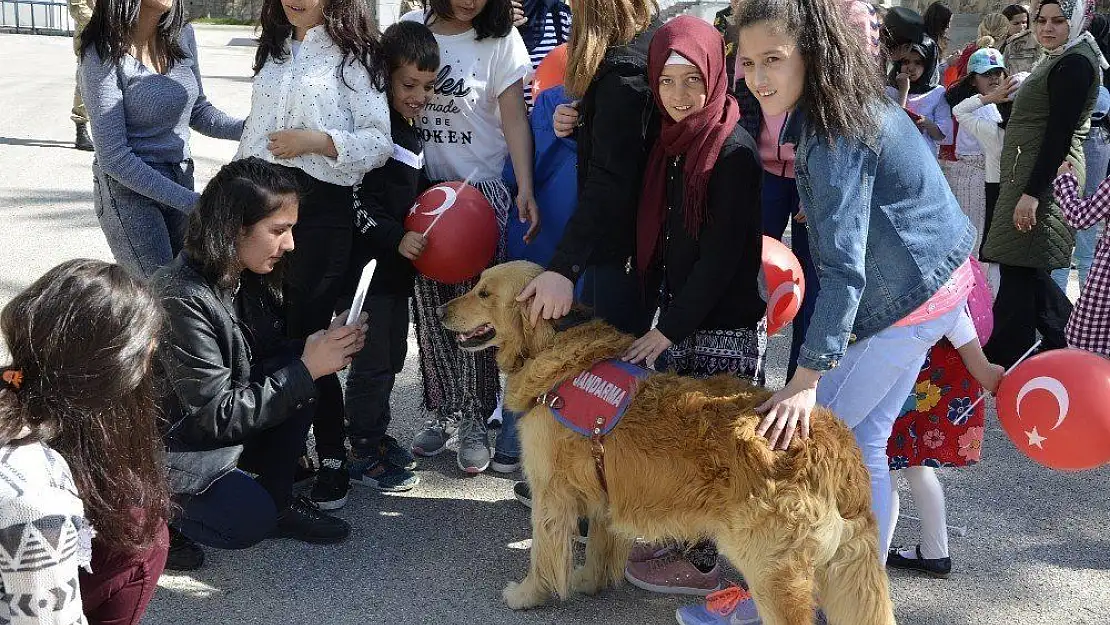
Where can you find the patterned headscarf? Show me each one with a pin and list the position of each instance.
(1079, 13)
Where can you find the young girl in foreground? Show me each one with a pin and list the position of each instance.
(81, 453)
(891, 244)
(476, 118)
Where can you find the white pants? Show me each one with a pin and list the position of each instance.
(868, 390)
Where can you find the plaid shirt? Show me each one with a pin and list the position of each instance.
(1089, 325)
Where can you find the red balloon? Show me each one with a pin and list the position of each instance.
(461, 229)
(1055, 407)
(785, 284)
(551, 71)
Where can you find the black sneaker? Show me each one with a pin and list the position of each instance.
(382, 475)
(305, 521)
(395, 454)
(936, 567)
(504, 463)
(83, 142)
(523, 493)
(333, 482)
(184, 555)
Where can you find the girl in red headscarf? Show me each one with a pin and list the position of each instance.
(699, 244)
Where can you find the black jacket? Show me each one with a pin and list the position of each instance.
(619, 123)
(231, 373)
(385, 197)
(714, 279)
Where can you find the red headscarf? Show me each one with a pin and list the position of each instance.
(699, 137)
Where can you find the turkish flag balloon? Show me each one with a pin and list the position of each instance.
(461, 229)
(785, 284)
(1056, 408)
(551, 71)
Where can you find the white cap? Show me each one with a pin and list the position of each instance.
(678, 59)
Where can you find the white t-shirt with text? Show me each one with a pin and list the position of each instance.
(461, 125)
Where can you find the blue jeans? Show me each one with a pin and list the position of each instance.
(508, 439)
(867, 391)
(235, 512)
(142, 234)
(780, 205)
(1096, 150)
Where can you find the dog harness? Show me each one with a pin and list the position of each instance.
(593, 402)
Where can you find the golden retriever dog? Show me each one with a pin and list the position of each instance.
(684, 463)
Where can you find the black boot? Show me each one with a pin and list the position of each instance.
(936, 567)
(185, 555)
(83, 142)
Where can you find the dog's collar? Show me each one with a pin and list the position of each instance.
(573, 319)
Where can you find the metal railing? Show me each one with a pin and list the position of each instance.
(39, 17)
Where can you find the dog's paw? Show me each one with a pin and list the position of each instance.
(586, 581)
(522, 596)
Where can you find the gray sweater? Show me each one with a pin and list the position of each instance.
(139, 117)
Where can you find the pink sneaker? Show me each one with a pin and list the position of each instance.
(642, 552)
(672, 574)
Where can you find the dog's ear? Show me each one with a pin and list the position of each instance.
(534, 338)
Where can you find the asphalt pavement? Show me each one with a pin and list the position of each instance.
(1036, 549)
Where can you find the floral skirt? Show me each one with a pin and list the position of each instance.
(932, 430)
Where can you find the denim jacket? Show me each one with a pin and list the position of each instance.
(885, 230)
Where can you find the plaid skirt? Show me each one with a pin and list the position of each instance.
(457, 381)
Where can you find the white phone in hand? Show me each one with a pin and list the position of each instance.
(360, 292)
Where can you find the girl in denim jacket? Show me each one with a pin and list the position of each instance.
(890, 242)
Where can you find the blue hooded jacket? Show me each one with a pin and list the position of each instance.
(556, 183)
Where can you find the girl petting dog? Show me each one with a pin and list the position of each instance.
(858, 155)
(699, 237)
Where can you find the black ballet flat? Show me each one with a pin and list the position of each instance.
(935, 567)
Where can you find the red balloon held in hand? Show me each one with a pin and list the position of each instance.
(461, 229)
(785, 284)
(551, 71)
(1055, 407)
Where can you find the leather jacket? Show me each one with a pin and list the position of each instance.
(230, 372)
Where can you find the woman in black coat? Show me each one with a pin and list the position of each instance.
(242, 394)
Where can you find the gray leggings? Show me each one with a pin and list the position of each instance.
(142, 234)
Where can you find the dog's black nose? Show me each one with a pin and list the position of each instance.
(440, 312)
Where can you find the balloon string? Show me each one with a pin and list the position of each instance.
(967, 411)
(461, 186)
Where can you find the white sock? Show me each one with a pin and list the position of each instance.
(894, 509)
(928, 496)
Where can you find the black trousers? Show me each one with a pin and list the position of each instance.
(617, 296)
(314, 281)
(374, 372)
(992, 189)
(1028, 302)
(273, 454)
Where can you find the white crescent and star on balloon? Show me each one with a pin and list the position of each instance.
(1059, 393)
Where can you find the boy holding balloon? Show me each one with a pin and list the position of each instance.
(381, 203)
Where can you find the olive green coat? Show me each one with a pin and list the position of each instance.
(1049, 244)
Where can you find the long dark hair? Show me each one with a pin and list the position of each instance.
(937, 18)
(82, 337)
(240, 195)
(1011, 10)
(113, 23)
(495, 20)
(347, 22)
(843, 83)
